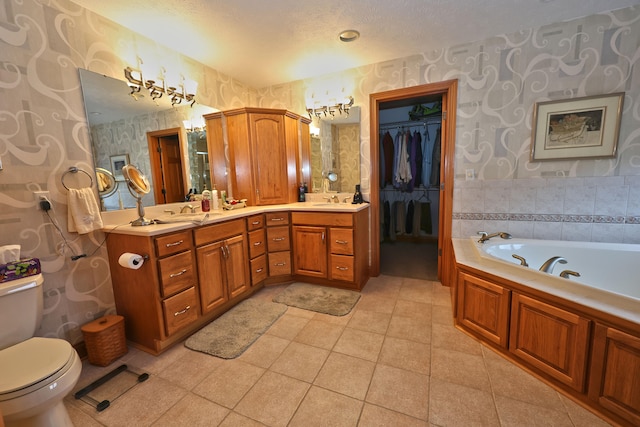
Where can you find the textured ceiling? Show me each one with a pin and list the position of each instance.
(266, 42)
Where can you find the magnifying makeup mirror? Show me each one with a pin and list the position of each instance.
(138, 186)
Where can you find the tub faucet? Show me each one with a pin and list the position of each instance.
(566, 273)
(523, 262)
(485, 236)
(548, 265)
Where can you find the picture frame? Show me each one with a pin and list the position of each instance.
(117, 163)
(580, 128)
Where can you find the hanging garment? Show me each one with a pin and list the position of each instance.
(400, 217)
(397, 143)
(435, 161)
(417, 176)
(388, 155)
(387, 220)
(413, 149)
(416, 219)
(409, 220)
(425, 218)
(427, 157)
(403, 172)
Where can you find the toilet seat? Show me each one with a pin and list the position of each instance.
(33, 364)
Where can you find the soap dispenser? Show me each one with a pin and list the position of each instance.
(206, 200)
(357, 196)
(301, 195)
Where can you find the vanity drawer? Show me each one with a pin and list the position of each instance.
(180, 310)
(173, 243)
(257, 243)
(258, 269)
(176, 273)
(221, 231)
(341, 241)
(278, 239)
(341, 268)
(277, 218)
(254, 222)
(279, 263)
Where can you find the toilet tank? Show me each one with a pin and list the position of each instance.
(20, 309)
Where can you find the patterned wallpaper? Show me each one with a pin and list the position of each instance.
(500, 80)
(44, 131)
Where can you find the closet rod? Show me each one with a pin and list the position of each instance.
(423, 122)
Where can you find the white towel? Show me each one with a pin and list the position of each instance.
(83, 213)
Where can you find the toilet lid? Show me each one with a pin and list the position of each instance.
(31, 361)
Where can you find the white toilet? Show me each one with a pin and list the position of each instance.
(35, 373)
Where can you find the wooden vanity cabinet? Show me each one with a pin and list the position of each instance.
(159, 300)
(331, 247)
(266, 153)
(223, 266)
(278, 244)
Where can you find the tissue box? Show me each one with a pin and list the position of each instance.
(18, 269)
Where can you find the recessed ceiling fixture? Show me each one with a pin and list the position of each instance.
(349, 36)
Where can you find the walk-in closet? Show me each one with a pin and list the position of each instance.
(409, 182)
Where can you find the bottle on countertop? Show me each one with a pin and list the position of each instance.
(301, 196)
(357, 196)
(188, 196)
(214, 198)
(306, 188)
(206, 200)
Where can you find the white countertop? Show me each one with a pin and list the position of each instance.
(119, 221)
(619, 305)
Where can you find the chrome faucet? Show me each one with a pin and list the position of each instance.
(566, 273)
(335, 199)
(548, 265)
(185, 207)
(523, 262)
(485, 236)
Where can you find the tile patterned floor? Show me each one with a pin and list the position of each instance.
(395, 360)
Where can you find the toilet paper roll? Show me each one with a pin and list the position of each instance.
(132, 261)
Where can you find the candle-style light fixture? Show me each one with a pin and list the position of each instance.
(178, 91)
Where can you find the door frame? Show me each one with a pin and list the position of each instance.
(449, 91)
(154, 159)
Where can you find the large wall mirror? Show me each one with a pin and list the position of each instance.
(335, 152)
(122, 130)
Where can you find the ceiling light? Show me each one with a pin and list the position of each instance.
(349, 36)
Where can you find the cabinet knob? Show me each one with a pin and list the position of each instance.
(341, 242)
(255, 223)
(259, 270)
(342, 268)
(257, 243)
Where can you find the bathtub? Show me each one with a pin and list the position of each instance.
(609, 273)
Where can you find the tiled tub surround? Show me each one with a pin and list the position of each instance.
(599, 209)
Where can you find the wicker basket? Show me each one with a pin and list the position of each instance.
(105, 339)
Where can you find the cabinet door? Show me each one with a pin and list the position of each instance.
(310, 251)
(483, 307)
(211, 276)
(615, 372)
(269, 158)
(550, 339)
(236, 266)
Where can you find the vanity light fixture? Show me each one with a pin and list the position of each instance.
(183, 90)
(340, 108)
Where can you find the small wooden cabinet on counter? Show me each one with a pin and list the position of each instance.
(595, 363)
(331, 248)
(268, 151)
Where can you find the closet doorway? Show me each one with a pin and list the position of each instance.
(401, 242)
(167, 171)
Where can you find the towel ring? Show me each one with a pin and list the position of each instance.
(74, 169)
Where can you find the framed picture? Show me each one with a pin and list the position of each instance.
(117, 163)
(578, 128)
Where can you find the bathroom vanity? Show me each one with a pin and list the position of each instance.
(195, 272)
